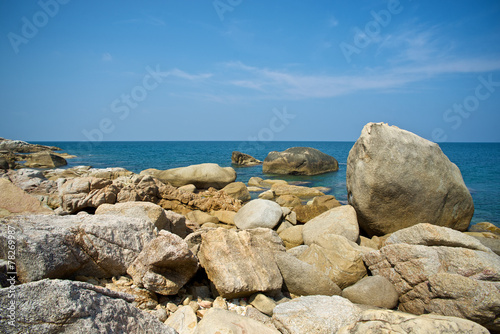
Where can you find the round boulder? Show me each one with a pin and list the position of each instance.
(396, 179)
(258, 213)
(299, 161)
(374, 291)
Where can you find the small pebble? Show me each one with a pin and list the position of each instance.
(194, 305)
(205, 304)
(219, 302)
(187, 300)
(171, 307)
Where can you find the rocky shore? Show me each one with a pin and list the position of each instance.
(187, 250)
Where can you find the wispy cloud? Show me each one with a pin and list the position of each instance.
(184, 75)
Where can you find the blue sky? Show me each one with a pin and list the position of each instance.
(248, 70)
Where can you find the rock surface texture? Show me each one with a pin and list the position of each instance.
(396, 179)
(242, 159)
(299, 161)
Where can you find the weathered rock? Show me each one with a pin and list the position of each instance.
(66, 246)
(262, 303)
(334, 255)
(268, 194)
(144, 299)
(340, 220)
(327, 200)
(164, 265)
(201, 217)
(250, 254)
(237, 190)
(253, 313)
(143, 210)
(222, 321)
(224, 216)
(418, 183)
(299, 161)
(183, 320)
(4, 163)
(19, 146)
(58, 306)
(176, 223)
(258, 213)
(190, 188)
(305, 213)
(288, 201)
(374, 291)
(491, 243)
(386, 321)
(315, 314)
(32, 181)
(297, 251)
(485, 227)
(85, 192)
(111, 173)
(44, 159)
(242, 159)
(14, 200)
(292, 237)
(302, 279)
(280, 189)
(203, 176)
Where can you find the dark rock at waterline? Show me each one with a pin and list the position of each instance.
(299, 161)
(242, 159)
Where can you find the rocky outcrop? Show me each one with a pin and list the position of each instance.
(44, 159)
(327, 200)
(66, 246)
(396, 179)
(164, 265)
(58, 306)
(315, 314)
(340, 220)
(19, 146)
(222, 321)
(14, 200)
(237, 190)
(308, 212)
(111, 173)
(143, 210)
(203, 176)
(258, 213)
(280, 189)
(250, 255)
(375, 291)
(386, 321)
(242, 159)
(299, 161)
(441, 273)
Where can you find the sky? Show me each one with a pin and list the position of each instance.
(123, 70)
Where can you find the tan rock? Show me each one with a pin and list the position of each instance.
(14, 200)
(288, 201)
(221, 321)
(184, 320)
(201, 217)
(374, 291)
(327, 200)
(262, 303)
(224, 216)
(44, 159)
(237, 190)
(144, 210)
(292, 237)
(305, 213)
(299, 191)
(340, 220)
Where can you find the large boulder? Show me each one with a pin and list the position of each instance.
(396, 179)
(67, 246)
(19, 146)
(45, 159)
(386, 321)
(374, 291)
(59, 306)
(280, 189)
(164, 265)
(258, 213)
(242, 159)
(340, 220)
(315, 314)
(84, 192)
(14, 200)
(237, 190)
(441, 273)
(222, 321)
(144, 210)
(299, 161)
(240, 263)
(305, 213)
(203, 176)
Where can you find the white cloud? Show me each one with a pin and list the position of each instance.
(106, 57)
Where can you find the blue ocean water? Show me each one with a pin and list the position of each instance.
(478, 162)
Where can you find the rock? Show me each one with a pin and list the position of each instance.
(262, 303)
(203, 176)
(289, 201)
(237, 190)
(14, 200)
(111, 173)
(291, 218)
(164, 265)
(253, 313)
(44, 159)
(315, 314)
(255, 182)
(81, 193)
(183, 320)
(418, 183)
(269, 195)
(176, 223)
(4, 163)
(253, 189)
(32, 181)
(340, 220)
(283, 226)
(224, 216)
(66, 246)
(374, 291)
(58, 306)
(292, 237)
(386, 321)
(485, 227)
(220, 302)
(491, 243)
(222, 321)
(258, 213)
(189, 188)
(242, 159)
(144, 299)
(327, 200)
(451, 281)
(299, 161)
(201, 217)
(143, 210)
(280, 189)
(250, 254)
(302, 279)
(297, 251)
(334, 255)
(305, 213)
(19, 146)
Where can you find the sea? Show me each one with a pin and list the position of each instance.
(478, 162)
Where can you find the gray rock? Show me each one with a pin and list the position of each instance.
(58, 306)
(237, 190)
(222, 321)
(19, 146)
(203, 176)
(340, 220)
(315, 314)
(183, 320)
(66, 246)
(297, 251)
(302, 279)
(299, 161)
(242, 159)
(396, 179)
(374, 291)
(258, 213)
(143, 210)
(176, 223)
(164, 265)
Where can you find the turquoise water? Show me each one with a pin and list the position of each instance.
(479, 163)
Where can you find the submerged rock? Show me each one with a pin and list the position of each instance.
(299, 161)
